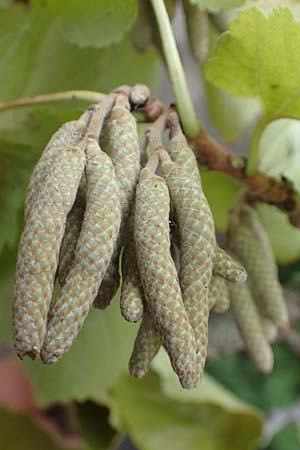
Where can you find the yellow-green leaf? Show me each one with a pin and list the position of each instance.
(259, 57)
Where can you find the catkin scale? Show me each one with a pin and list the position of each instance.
(159, 275)
(219, 299)
(67, 135)
(146, 346)
(197, 243)
(93, 251)
(124, 151)
(249, 242)
(39, 249)
(249, 323)
(132, 297)
(72, 232)
(228, 267)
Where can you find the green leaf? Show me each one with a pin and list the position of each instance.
(279, 150)
(217, 5)
(240, 112)
(19, 432)
(89, 23)
(155, 420)
(35, 58)
(284, 238)
(258, 58)
(221, 191)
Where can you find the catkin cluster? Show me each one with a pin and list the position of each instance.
(97, 220)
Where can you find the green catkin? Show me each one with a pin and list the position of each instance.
(132, 297)
(146, 346)
(72, 232)
(159, 275)
(197, 23)
(39, 248)
(228, 267)
(69, 134)
(249, 323)
(182, 154)
(124, 150)
(219, 299)
(179, 151)
(249, 242)
(93, 252)
(197, 243)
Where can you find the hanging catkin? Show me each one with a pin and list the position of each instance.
(93, 252)
(180, 152)
(132, 297)
(249, 323)
(39, 248)
(159, 275)
(72, 232)
(249, 242)
(146, 346)
(197, 242)
(228, 267)
(219, 299)
(69, 134)
(124, 151)
(197, 23)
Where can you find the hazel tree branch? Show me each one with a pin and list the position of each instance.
(261, 187)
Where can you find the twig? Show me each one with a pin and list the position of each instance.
(87, 96)
(262, 188)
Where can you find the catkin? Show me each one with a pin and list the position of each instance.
(94, 249)
(146, 346)
(197, 242)
(124, 151)
(39, 249)
(159, 275)
(219, 299)
(228, 267)
(249, 242)
(69, 134)
(132, 297)
(72, 232)
(197, 23)
(249, 323)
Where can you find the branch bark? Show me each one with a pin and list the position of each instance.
(261, 188)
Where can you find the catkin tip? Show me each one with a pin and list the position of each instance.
(33, 353)
(132, 317)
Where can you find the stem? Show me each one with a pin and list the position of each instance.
(185, 105)
(88, 96)
(253, 157)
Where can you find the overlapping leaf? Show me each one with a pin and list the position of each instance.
(156, 419)
(90, 23)
(258, 58)
(217, 5)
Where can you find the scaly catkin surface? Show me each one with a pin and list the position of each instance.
(92, 255)
(219, 299)
(197, 243)
(146, 346)
(249, 242)
(132, 297)
(68, 135)
(159, 275)
(39, 249)
(249, 323)
(124, 150)
(72, 232)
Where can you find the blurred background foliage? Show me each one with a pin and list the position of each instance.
(87, 401)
